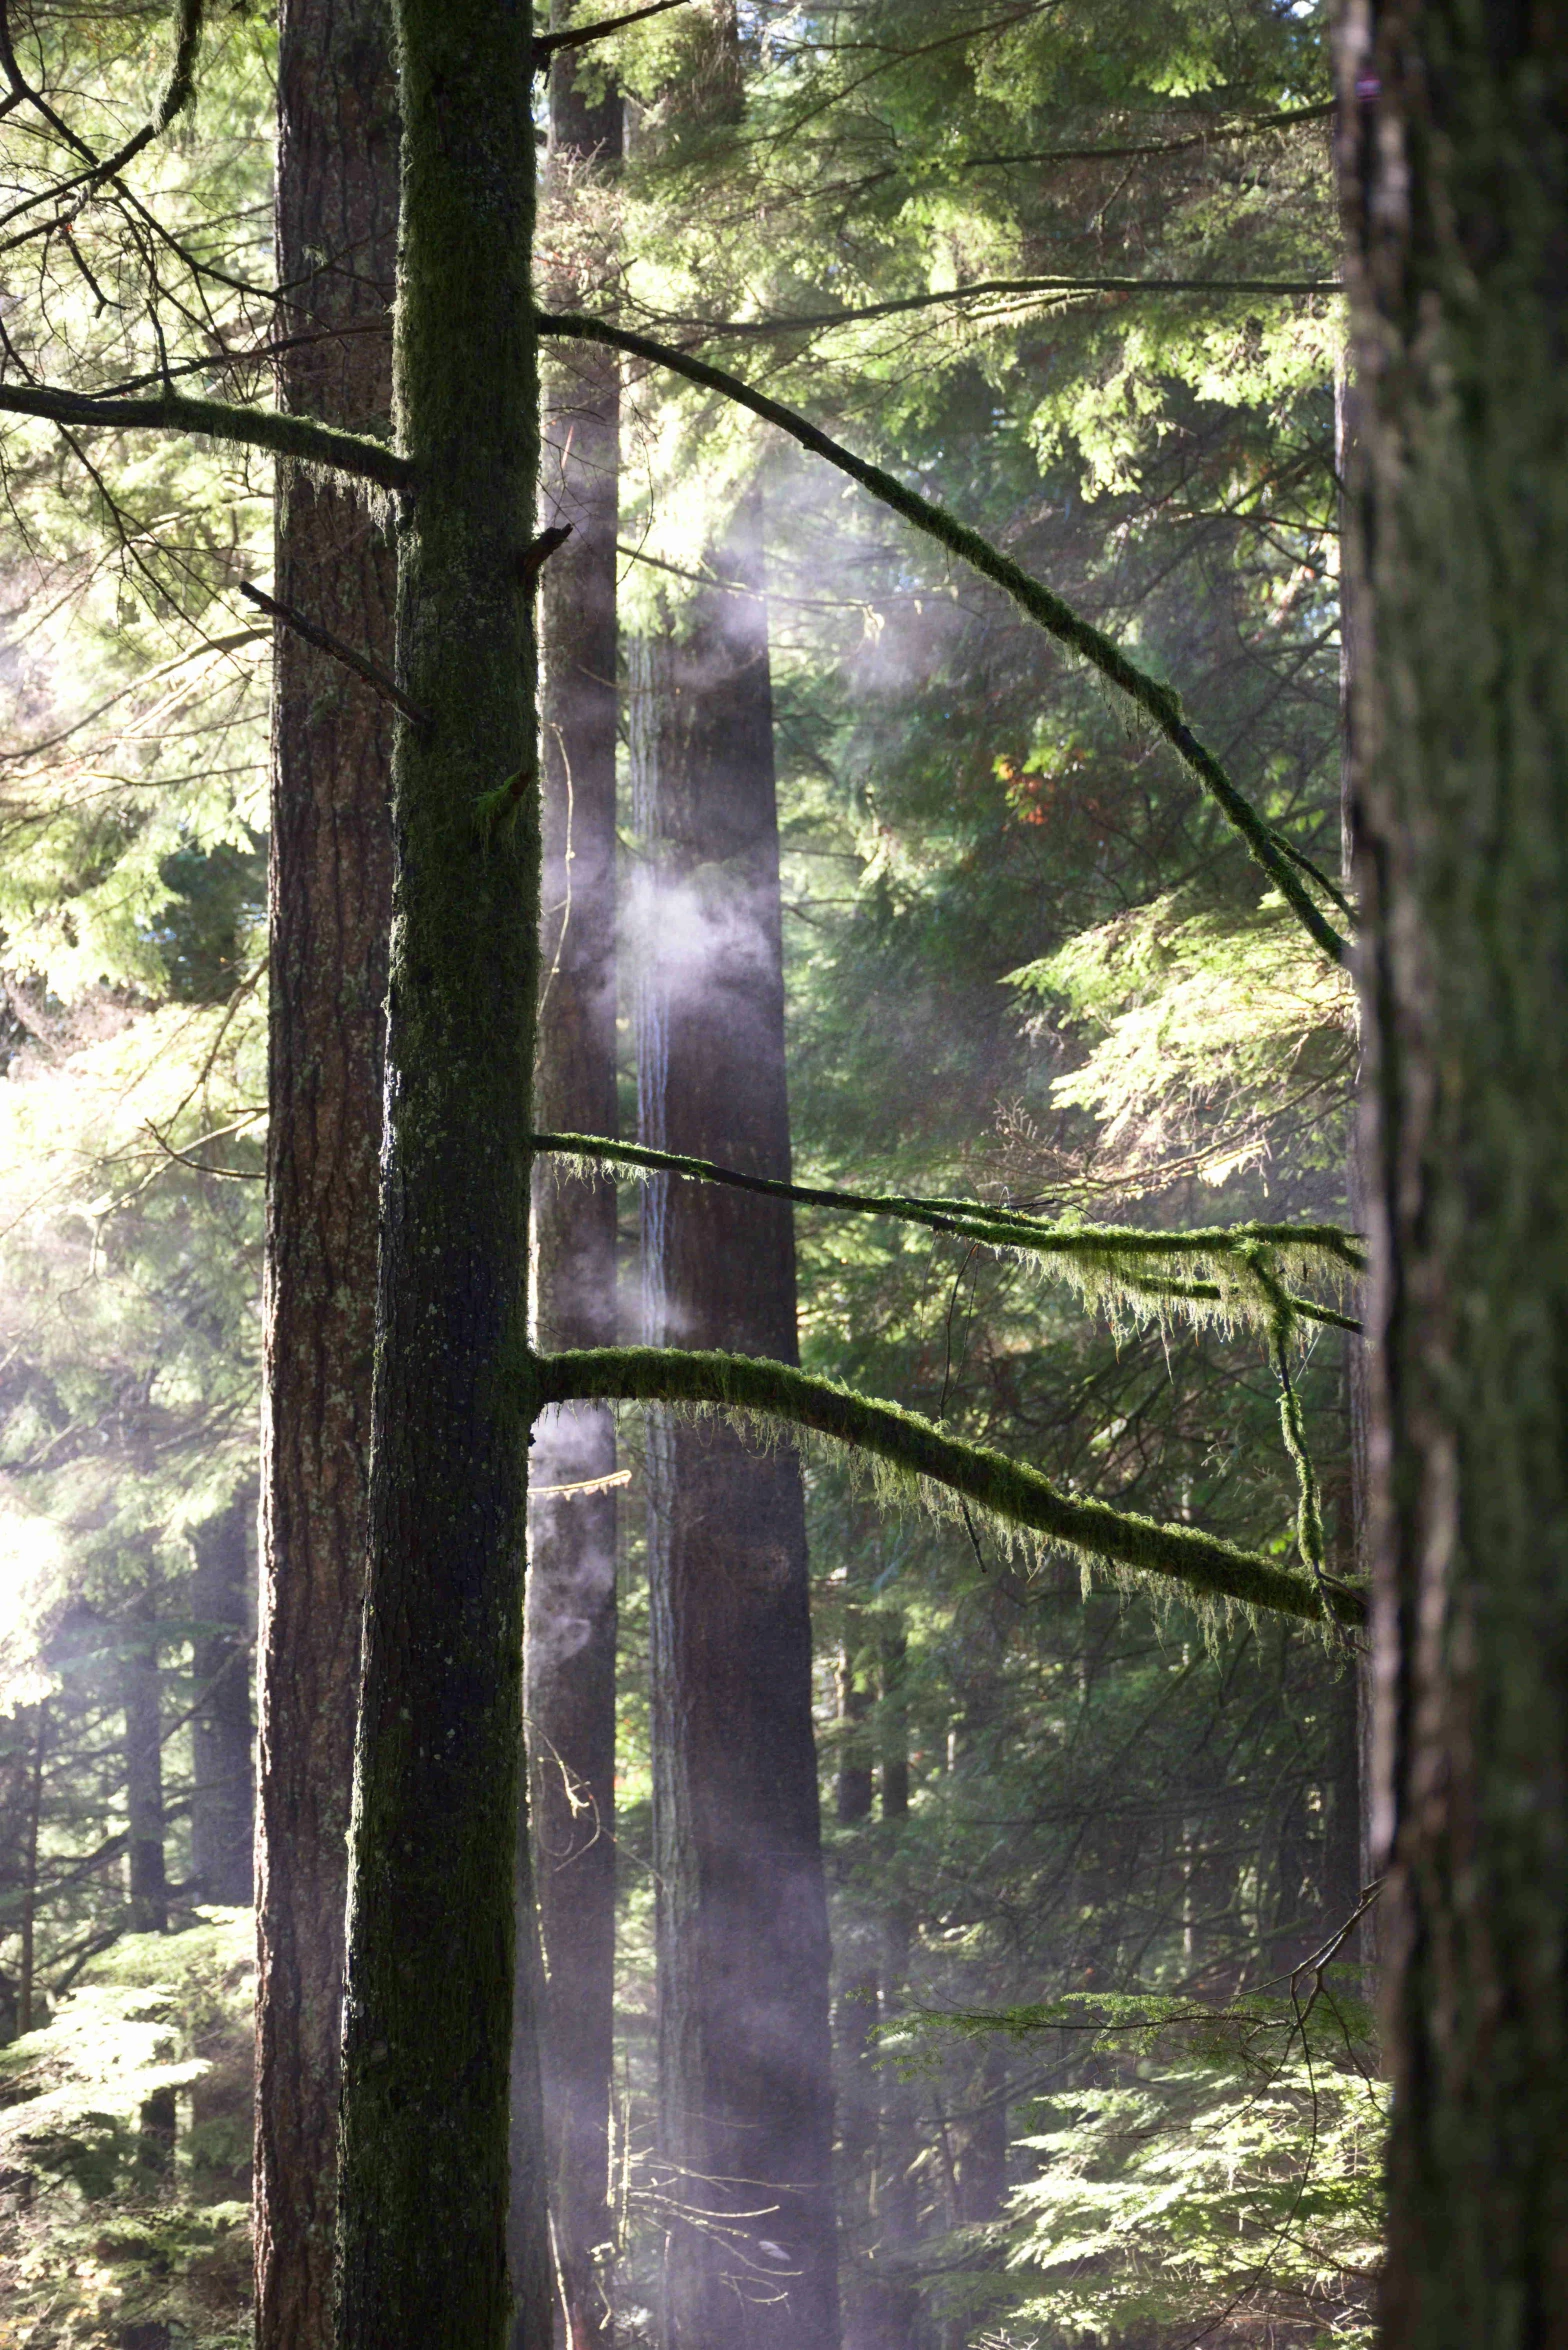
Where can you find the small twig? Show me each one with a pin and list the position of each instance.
(325, 642)
(605, 1484)
(578, 36)
(204, 1166)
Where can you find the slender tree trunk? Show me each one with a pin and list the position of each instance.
(891, 2308)
(744, 2051)
(26, 1998)
(425, 2179)
(980, 2142)
(858, 2002)
(1455, 144)
(223, 1811)
(569, 1656)
(146, 1881)
(1353, 1759)
(330, 896)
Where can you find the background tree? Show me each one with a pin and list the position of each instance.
(570, 1644)
(330, 895)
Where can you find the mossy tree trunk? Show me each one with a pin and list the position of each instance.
(745, 2080)
(569, 1654)
(1455, 140)
(429, 1994)
(330, 901)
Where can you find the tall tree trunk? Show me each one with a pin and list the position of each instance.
(223, 1812)
(330, 896)
(1455, 145)
(569, 1654)
(146, 1881)
(744, 2052)
(1353, 1768)
(429, 2018)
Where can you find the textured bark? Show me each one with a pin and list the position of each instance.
(223, 1810)
(569, 1654)
(330, 897)
(432, 2001)
(146, 1881)
(1455, 148)
(744, 2052)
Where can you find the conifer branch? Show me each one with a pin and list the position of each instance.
(916, 1450)
(1158, 702)
(1119, 1247)
(298, 437)
(999, 288)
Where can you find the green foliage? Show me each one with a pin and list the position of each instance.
(101, 2226)
(1192, 2166)
(1217, 1040)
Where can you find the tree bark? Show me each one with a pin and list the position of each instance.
(146, 1881)
(744, 2050)
(569, 1652)
(431, 1999)
(223, 1811)
(330, 898)
(1455, 159)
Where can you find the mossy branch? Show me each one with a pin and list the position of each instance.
(1106, 1259)
(940, 1465)
(181, 85)
(1158, 702)
(298, 437)
(178, 90)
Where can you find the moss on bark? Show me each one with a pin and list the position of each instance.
(428, 2010)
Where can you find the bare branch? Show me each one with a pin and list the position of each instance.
(379, 679)
(548, 45)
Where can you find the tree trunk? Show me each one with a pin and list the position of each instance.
(569, 1654)
(27, 2001)
(330, 897)
(858, 2003)
(429, 1995)
(1455, 147)
(222, 1793)
(146, 1881)
(744, 2051)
